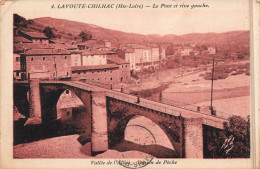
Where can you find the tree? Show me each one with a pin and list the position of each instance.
(48, 31)
(19, 21)
(232, 142)
(239, 128)
(170, 50)
(85, 35)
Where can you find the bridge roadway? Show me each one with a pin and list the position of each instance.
(210, 120)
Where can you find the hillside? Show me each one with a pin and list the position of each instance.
(70, 29)
(75, 28)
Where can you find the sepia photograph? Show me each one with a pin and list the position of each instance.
(131, 84)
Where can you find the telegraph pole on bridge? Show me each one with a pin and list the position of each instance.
(213, 112)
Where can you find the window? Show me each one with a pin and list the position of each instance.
(43, 58)
(111, 71)
(17, 59)
(97, 78)
(125, 65)
(55, 65)
(67, 91)
(111, 78)
(122, 66)
(31, 58)
(17, 73)
(84, 72)
(54, 74)
(105, 70)
(65, 57)
(98, 71)
(92, 72)
(68, 113)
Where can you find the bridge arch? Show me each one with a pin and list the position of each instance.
(118, 128)
(67, 104)
(51, 96)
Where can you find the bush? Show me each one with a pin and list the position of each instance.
(48, 31)
(217, 75)
(239, 147)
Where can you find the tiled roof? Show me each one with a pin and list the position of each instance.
(47, 52)
(94, 67)
(18, 47)
(18, 39)
(37, 46)
(36, 35)
(117, 60)
(93, 52)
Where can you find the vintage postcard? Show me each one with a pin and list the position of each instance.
(129, 84)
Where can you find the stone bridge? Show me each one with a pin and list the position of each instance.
(109, 111)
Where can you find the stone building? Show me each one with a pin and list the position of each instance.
(93, 57)
(130, 57)
(46, 63)
(155, 54)
(76, 59)
(104, 74)
(124, 68)
(17, 73)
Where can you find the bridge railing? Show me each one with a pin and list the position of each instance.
(194, 108)
(163, 105)
(98, 84)
(153, 105)
(122, 96)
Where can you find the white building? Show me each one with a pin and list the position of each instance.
(130, 57)
(93, 57)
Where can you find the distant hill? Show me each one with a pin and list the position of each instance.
(64, 27)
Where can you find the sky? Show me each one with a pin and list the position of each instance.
(221, 16)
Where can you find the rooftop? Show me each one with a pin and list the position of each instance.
(93, 52)
(46, 52)
(117, 60)
(94, 67)
(36, 35)
(19, 39)
(129, 50)
(37, 46)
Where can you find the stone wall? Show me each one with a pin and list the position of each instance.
(106, 76)
(193, 138)
(99, 138)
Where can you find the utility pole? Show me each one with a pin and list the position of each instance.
(213, 112)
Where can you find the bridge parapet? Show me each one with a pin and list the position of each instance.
(208, 119)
